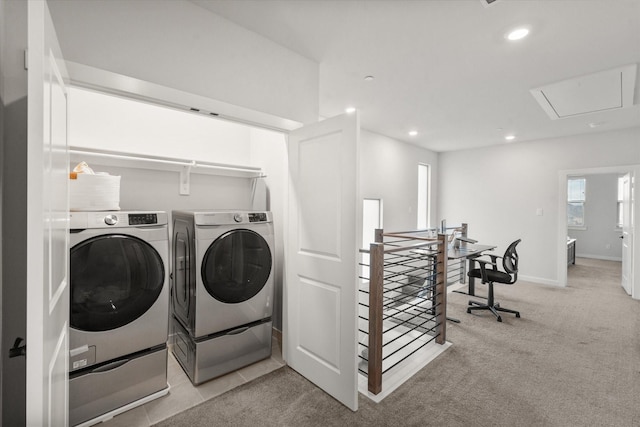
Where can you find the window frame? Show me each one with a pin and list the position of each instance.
(577, 201)
(423, 199)
(619, 212)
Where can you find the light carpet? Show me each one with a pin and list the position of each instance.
(572, 359)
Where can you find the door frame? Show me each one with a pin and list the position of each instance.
(563, 175)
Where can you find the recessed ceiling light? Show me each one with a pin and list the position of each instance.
(413, 132)
(368, 78)
(510, 137)
(517, 34)
(350, 110)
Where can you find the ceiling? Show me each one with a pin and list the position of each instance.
(445, 68)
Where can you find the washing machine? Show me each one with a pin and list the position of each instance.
(119, 310)
(222, 290)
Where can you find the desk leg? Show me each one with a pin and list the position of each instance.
(472, 280)
(471, 290)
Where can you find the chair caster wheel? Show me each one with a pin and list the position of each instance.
(469, 303)
(468, 310)
(499, 319)
(518, 315)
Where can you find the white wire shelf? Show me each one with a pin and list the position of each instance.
(183, 166)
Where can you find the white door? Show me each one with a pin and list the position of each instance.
(47, 225)
(627, 233)
(320, 295)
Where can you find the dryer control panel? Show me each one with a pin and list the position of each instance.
(227, 217)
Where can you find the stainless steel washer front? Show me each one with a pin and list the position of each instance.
(119, 285)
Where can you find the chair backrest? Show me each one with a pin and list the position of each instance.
(510, 260)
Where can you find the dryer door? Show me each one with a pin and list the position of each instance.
(115, 279)
(236, 266)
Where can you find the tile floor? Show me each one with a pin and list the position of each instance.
(183, 395)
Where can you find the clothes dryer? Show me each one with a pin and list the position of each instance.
(119, 309)
(222, 287)
(223, 269)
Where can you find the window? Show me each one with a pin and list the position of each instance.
(576, 197)
(620, 199)
(371, 220)
(423, 197)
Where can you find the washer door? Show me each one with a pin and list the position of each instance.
(115, 279)
(236, 266)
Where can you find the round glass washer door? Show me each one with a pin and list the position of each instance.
(236, 266)
(115, 279)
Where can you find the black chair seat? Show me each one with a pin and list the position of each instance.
(492, 275)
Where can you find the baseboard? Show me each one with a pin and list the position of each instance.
(532, 279)
(605, 258)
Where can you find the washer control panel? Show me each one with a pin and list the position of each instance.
(111, 219)
(143, 218)
(258, 217)
(82, 220)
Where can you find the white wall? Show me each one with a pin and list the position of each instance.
(181, 45)
(497, 190)
(600, 239)
(107, 122)
(269, 151)
(389, 171)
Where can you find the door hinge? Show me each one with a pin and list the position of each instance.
(26, 59)
(17, 349)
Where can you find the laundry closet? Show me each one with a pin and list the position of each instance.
(228, 181)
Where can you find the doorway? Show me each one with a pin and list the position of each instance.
(591, 196)
(135, 129)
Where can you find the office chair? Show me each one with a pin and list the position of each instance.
(491, 275)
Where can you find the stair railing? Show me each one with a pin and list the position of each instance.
(402, 305)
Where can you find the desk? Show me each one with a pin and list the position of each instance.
(468, 251)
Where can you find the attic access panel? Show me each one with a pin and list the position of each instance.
(605, 90)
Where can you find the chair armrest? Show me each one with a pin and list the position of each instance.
(483, 265)
(482, 262)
